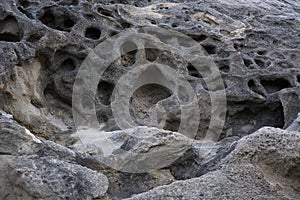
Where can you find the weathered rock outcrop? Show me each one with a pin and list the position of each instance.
(254, 46)
(35, 169)
(264, 165)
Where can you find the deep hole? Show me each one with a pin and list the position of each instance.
(210, 49)
(199, 38)
(247, 62)
(255, 116)
(193, 71)
(104, 92)
(68, 65)
(102, 118)
(8, 37)
(125, 25)
(260, 63)
(59, 21)
(128, 53)
(262, 53)
(274, 85)
(68, 23)
(24, 3)
(9, 30)
(112, 33)
(145, 98)
(153, 22)
(224, 68)
(174, 25)
(36, 37)
(25, 12)
(105, 12)
(172, 125)
(252, 86)
(151, 54)
(298, 78)
(93, 33)
(48, 19)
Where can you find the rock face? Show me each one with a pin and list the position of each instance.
(254, 45)
(264, 165)
(35, 169)
(250, 55)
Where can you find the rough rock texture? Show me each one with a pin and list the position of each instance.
(255, 46)
(136, 150)
(35, 169)
(264, 165)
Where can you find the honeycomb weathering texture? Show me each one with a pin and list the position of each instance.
(254, 44)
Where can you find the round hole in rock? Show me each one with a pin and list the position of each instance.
(24, 3)
(193, 71)
(210, 49)
(57, 19)
(144, 100)
(68, 65)
(104, 12)
(128, 53)
(252, 86)
(36, 36)
(275, 85)
(9, 30)
(151, 54)
(92, 33)
(224, 68)
(199, 38)
(104, 92)
(247, 62)
(174, 25)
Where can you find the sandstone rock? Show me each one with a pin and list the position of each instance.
(264, 165)
(122, 184)
(252, 45)
(276, 153)
(50, 178)
(35, 169)
(232, 182)
(256, 49)
(13, 137)
(202, 158)
(137, 150)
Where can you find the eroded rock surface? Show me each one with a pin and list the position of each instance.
(254, 45)
(264, 165)
(35, 169)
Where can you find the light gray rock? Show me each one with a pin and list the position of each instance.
(50, 178)
(13, 136)
(31, 168)
(136, 150)
(232, 182)
(295, 125)
(264, 165)
(276, 153)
